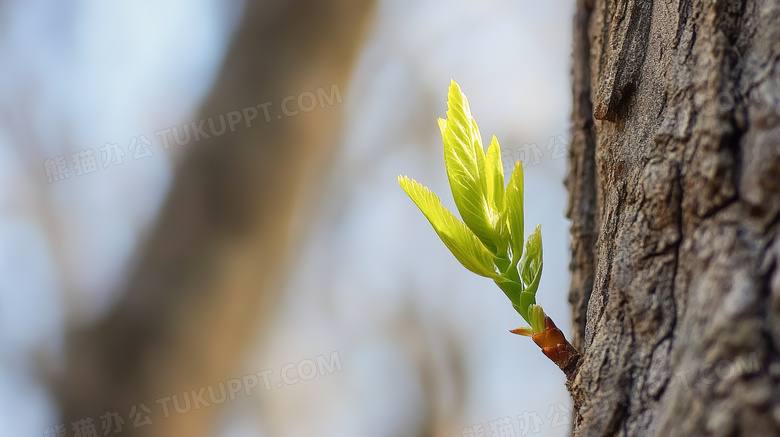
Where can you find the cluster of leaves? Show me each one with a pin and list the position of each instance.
(489, 240)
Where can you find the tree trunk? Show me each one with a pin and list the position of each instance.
(674, 191)
(210, 268)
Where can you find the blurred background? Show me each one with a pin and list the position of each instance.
(143, 258)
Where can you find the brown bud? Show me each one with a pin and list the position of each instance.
(555, 346)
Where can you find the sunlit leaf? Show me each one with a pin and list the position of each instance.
(514, 211)
(442, 125)
(495, 175)
(534, 285)
(531, 263)
(458, 238)
(465, 163)
(489, 241)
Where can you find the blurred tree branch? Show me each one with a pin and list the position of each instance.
(210, 265)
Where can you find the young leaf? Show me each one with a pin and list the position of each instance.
(531, 288)
(531, 263)
(514, 211)
(536, 316)
(465, 163)
(459, 239)
(489, 240)
(495, 175)
(525, 330)
(442, 125)
(526, 300)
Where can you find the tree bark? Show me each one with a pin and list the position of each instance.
(674, 189)
(209, 270)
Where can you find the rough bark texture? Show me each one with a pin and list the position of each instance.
(210, 267)
(674, 198)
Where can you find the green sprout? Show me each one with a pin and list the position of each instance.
(489, 240)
